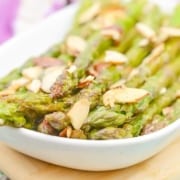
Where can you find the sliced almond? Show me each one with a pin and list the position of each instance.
(144, 42)
(2, 122)
(133, 73)
(163, 90)
(85, 82)
(46, 62)
(115, 57)
(75, 45)
(18, 83)
(167, 111)
(69, 131)
(63, 133)
(32, 72)
(113, 32)
(178, 94)
(7, 92)
(118, 84)
(166, 33)
(170, 31)
(156, 52)
(72, 69)
(50, 76)
(146, 31)
(90, 13)
(79, 112)
(108, 18)
(123, 95)
(34, 86)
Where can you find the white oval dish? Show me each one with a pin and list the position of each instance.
(79, 154)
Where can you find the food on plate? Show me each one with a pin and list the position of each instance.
(115, 75)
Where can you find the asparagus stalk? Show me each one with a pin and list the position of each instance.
(96, 89)
(66, 83)
(146, 70)
(134, 127)
(154, 85)
(109, 133)
(85, 30)
(160, 121)
(10, 113)
(40, 103)
(175, 114)
(69, 81)
(154, 20)
(155, 108)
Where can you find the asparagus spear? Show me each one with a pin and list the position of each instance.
(160, 121)
(85, 29)
(98, 87)
(9, 112)
(95, 90)
(175, 114)
(155, 108)
(134, 127)
(66, 83)
(40, 103)
(109, 133)
(69, 81)
(130, 37)
(146, 70)
(154, 85)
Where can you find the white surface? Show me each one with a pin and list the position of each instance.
(30, 13)
(78, 154)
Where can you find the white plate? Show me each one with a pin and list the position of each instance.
(78, 154)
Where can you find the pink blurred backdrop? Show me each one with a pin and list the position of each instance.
(8, 14)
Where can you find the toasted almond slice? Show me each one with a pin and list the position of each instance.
(108, 18)
(167, 111)
(34, 86)
(75, 45)
(18, 83)
(87, 79)
(69, 131)
(123, 95)
(118, 84)
(85, 82)
(32, 72)
(79, 113)
(7, 92)
(72, 69)
(156, 52)
(133, 73)
(163, 90)
(144, 42)
(2, 122)
(178, 94)
(115, 57)
(145, 31)
(113, 32)
(46, 62)
(50, 76)
(170, 31)
(63, 133)
(90, 13)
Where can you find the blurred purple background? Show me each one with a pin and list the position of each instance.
(8, 14)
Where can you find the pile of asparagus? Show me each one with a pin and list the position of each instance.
(115, 75)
